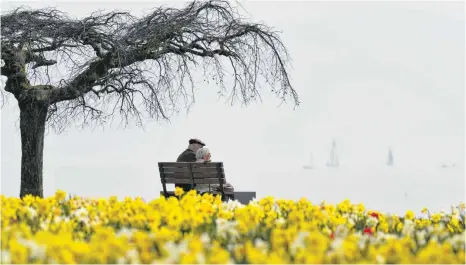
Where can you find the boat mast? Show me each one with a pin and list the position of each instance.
(390, 157)
(333, 155)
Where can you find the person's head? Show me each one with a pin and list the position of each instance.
(195, 144)
(203, 154)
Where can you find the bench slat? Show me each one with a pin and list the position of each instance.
(194, 165)
(192, 173)
(186, 175)
(196, 181)
(195, 170)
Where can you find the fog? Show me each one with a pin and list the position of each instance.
(371, 75)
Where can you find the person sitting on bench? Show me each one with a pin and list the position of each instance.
(203, 156)
(189, 155)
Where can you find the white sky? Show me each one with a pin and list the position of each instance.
(372, 75)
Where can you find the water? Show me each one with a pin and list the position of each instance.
(388, 189)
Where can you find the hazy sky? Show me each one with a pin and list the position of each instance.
(372, 75)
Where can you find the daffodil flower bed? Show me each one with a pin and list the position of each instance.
(191, 228)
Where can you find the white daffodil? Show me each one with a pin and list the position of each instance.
(280, 221)
(125, 232)
(421, 237)
(81, 214)
(336, 244)
(261, 244)
(298, 242)
(380, 259)
(132, 256)
(35, 251)
(205, 239)
(5, 256)
(408, 228)
(32, 212)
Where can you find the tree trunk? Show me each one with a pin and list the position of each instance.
(32, 124)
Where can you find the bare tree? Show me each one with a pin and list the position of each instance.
(120, 64)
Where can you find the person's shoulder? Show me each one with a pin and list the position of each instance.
(187, 155)
(189, 151)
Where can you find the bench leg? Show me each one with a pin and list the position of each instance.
(228, 197)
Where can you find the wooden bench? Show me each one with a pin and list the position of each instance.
(193, 174)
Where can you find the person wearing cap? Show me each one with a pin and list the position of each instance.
(189, 155)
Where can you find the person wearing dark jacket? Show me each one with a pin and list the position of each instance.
(189, 155)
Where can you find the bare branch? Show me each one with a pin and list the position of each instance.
(118, 63)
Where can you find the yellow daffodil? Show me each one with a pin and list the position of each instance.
(179, 191)
(409, 215)
(192, 228)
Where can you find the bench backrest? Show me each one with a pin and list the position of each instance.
(191, 173)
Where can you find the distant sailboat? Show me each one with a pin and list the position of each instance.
(333, 162)
(448, 166)
(390, 157)
(311, 164)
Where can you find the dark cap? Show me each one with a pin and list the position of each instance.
(196, 141)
